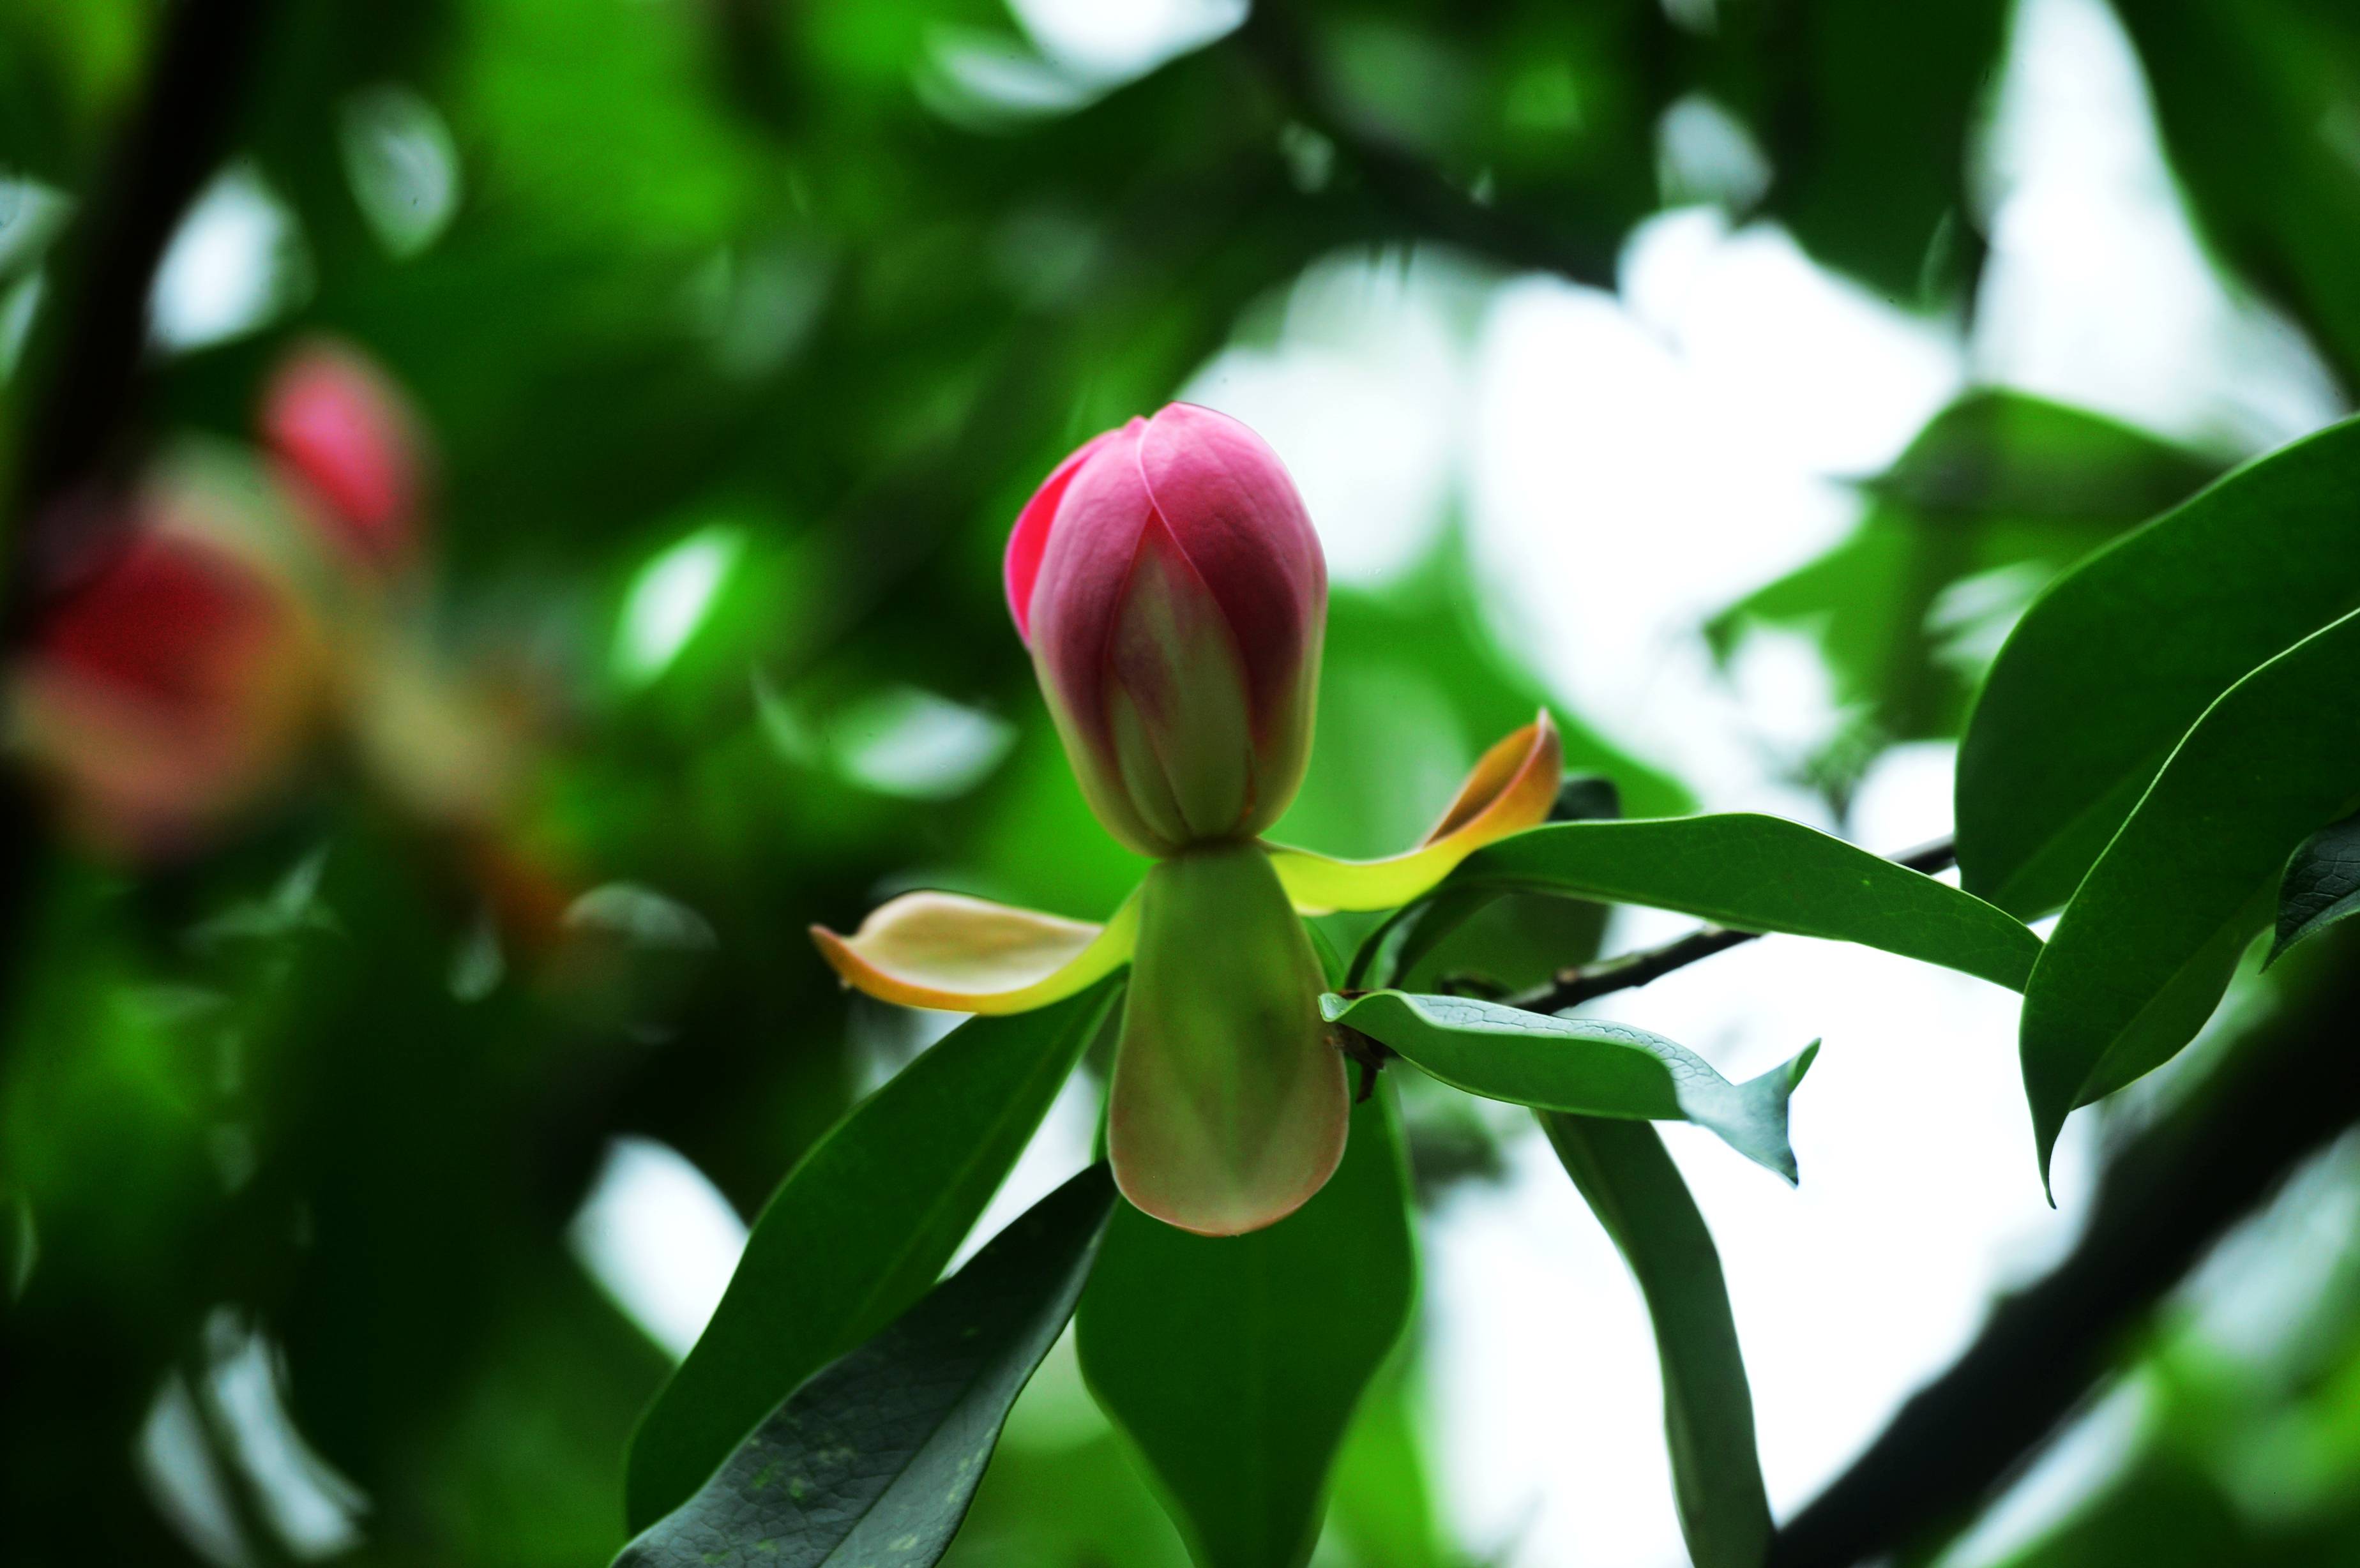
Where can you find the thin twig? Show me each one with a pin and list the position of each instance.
(1586, 982)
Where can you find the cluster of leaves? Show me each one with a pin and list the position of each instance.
(787, 282)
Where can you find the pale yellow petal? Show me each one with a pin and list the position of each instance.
(970, 955)
(1512, 789)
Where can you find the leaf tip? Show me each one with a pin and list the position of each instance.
(1801, 1065)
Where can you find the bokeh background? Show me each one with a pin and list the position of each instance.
(1724, 374)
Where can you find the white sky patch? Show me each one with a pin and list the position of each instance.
(1918, 1202)
(235, 264)
(659, 1239)
(311, 1510)
(182, 1476)
(403, 166)
(1639, 463)
(1362, 396)
(914, 744)
(2098, 291)
(31, 214)
(1107, 42)
(669, 599)
(1703, 153)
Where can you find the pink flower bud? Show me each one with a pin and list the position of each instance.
(168, 690)
(345, 432)
(1169, 584)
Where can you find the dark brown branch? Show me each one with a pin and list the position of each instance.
(84, 369)
(1583, 982)
(90, 357)
(2286, 1091)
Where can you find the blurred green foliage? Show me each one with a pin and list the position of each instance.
(792, 285)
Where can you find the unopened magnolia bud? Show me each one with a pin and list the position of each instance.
(1169, 584)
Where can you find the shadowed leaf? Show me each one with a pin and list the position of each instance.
(1235, 1364)
(873, 1462)
(2321, 885)
(858, 1230)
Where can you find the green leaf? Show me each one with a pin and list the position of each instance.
(872, 1463)
(1996, 495)
(2109, 667)
(1234, 1365)
(859, 1229)
(1870, 137)
(1760, 874)
(1589, 1066)
(1384, 1507)
(2147, 946)
(2321, 885)
(1636, 1192)
(1997, 454)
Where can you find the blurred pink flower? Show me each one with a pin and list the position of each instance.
(171, 688)
(345, 435)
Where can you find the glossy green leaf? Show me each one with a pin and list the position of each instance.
(2147, 945)
(2321, 885)
(1589, 1066)
(2109, 667)
(1636, 1192)
(872, 1463)
(858, 1230)
(1760, 874)
(1235, 1365)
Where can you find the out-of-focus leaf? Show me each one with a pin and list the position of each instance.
(1760, 874)
(1872, 170)
(1998, 494)
(1589, 1066)
(1636, 1192)
(1079, 1499)
(1235, 1364)
(856, 1232)
(872, 1463)
(1997, 453)
(2146, 947)
(2321, 885)
(2109, 667)
(2255, 105)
